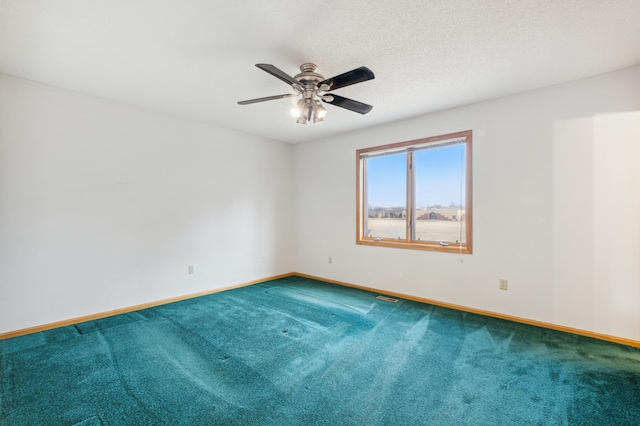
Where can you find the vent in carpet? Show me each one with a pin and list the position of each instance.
(387, 299)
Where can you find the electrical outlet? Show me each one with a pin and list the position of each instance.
(330, 260)
(504, 284)
(190, 270)
(264, 259)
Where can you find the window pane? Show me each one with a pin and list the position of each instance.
(440, 194)
(386, 197)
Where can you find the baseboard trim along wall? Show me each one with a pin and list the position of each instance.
(71, 321)
(615, 339)
(126, 310)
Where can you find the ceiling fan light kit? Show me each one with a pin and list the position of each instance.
(311, 87)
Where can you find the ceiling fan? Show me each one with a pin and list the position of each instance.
(313, 87)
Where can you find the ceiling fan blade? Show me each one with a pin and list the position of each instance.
(350, 104)
(278, 73)
(268, 98)
(357, 75)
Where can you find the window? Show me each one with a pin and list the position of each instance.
(416, 194)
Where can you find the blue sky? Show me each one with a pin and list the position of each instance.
(438, 177)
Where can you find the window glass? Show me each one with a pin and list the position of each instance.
(440, 193)
(387, 196)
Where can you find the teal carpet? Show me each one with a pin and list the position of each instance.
(301, 352)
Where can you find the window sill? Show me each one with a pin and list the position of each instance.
(429, 246)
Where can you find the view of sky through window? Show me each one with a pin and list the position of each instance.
(439, 174)
(387, 176)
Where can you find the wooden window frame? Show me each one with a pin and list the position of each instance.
(408, 243)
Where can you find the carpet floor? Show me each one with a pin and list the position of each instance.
(296, 351)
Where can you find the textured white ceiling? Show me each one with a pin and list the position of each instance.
(195, 58)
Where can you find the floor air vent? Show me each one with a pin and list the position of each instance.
(387, 299)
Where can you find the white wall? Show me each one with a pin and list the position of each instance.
(103, 205)
(556, 208)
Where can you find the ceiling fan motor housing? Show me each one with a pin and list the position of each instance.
(308, 74)
(309, 80)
